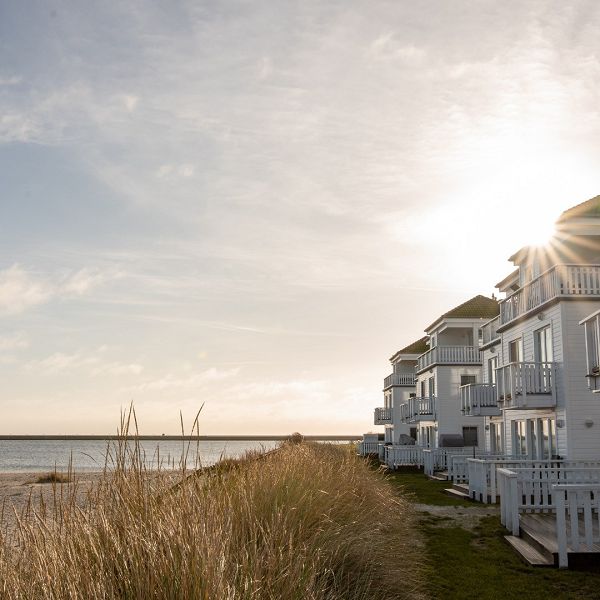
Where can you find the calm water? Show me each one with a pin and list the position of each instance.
(89, 455)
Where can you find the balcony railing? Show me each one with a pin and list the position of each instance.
(527, 385)
(449, 355)
(489, 331)
(399, 379)
(479, 399)
(420, 409)
(558, 282)
(382, 416)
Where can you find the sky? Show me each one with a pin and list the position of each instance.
(250, 206)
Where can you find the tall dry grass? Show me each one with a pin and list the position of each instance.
(309, 521)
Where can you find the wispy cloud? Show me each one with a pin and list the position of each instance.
(21, 290)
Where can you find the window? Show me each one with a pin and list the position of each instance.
(470, 436)
(431, 387)
(497, 438)
(519, 438)
(413, 433)
(422, 389)
(467, 379)
(492, 364)
(543, 345)
(515, 350)
(592, 344)
(547, 437)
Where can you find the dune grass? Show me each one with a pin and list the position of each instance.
(53, 477)
(309, 521)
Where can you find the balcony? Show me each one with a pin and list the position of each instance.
(526, 385)
(489, 331)
(449, 355)
(420, 409)
(382, 416)
(561, 281)
(399, 379)
(479, 400)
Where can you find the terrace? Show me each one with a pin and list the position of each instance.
(561, 281)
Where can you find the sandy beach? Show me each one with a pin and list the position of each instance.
(17, 490)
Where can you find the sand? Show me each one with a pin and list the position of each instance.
(17, 490)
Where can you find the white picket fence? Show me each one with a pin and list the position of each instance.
(483, 479)
(366, 448)
(403, 456)
(572, 532)
(570, 492)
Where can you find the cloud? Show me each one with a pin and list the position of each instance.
(20, 291)
(15, 341)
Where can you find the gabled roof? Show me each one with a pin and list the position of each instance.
(478, 307)
(418, 347)
(588, 209)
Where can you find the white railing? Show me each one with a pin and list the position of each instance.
(509, 505)
(479, 399)
(489, 331)
(559, 281)
(525, 490)
(451, 355)
(571, 531)
(526, 385)
(365, 448)
(398, 456)
(399, 379)
(382, 416)
(438, 459)
(420, 409)
(535, 474)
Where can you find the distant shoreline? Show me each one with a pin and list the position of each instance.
(179, 438)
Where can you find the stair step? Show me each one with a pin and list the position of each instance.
(531, 555)
(545, 544)
(437, 477)
(456, 494)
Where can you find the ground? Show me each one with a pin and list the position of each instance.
(469, 557)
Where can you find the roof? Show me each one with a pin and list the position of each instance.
(588, 209)
(418, 347)
(478, 307)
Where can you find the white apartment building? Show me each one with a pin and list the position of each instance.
(538, 382)
(453, 359)
(398, 387)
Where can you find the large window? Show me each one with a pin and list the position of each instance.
(515, 350)
(497, 438)
(543, 345)
(535, 438)
(431, 386)
(592, 344)
(470, 436)
(492, 364)
(519, 439)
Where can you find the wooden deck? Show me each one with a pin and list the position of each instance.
(538, 544)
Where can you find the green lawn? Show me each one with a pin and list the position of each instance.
(479, 564)
(421, 490)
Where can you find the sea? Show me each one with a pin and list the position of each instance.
(91, 455)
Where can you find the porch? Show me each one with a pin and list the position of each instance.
(526, 385)
(382, 416)
(479, 399)
(449, 355)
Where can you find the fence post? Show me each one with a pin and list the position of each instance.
(561, 527)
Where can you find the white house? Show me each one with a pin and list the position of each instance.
(398, 387)
(453, 359)
(538, 401)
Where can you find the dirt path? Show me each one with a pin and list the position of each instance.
(466, 517)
